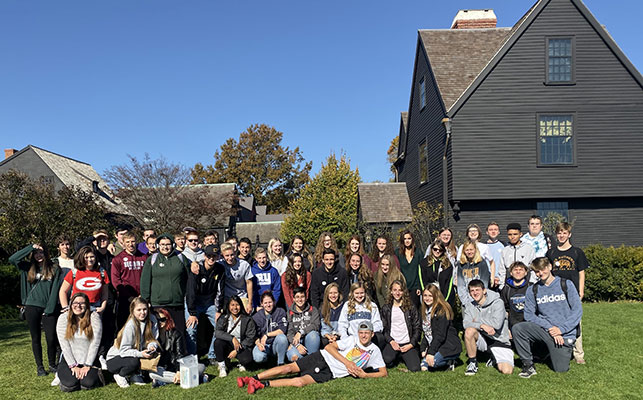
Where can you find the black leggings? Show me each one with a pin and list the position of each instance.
(109, 326)
(222, 348)
(411, 358)
(68, 380)
(34, 318)
(124, 366)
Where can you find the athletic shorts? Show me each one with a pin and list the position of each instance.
(499, 353)
(315, 366)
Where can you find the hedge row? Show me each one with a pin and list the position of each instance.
(616, 273)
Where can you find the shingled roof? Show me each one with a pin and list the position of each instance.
(457, 56)
(384, 202)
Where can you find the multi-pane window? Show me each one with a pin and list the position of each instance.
(555, 140)
(422, 94)
(423, 156)
(558, 207)
(560, 60)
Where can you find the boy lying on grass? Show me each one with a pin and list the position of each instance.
(353, 355)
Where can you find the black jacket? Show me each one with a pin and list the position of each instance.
(413, 323)
(172, 349)
(248, 330)
(205, 288)
(514, 298)
(430, 274)
(445, 338)
(320, 278)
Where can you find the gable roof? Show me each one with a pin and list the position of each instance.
(74, 173)
(517, 31)
(457, 56)
(384, 202)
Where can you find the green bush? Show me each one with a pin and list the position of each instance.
(615, 273)
(9, 285)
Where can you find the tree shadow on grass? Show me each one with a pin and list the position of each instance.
(13, 333)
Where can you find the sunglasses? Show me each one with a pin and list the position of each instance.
(437, 249)
(193, 240)
(161, 319)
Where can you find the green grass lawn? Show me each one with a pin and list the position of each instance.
(612, 337)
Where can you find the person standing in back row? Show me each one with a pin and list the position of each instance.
(410, 256)
(540, 241)
(569, 262)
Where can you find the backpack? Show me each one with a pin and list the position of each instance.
(563, 286)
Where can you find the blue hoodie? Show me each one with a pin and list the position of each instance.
(266, 278)
(554, 309)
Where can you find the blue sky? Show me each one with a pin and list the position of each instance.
(96, 80)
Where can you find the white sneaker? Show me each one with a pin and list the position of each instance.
(223, 372)
(56, 381)
(137, 380)
(242, 368)
(103, 363)
(121, 381)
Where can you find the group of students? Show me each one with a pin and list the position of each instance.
(322, 314)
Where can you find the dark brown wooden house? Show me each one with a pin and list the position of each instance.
(543, 116)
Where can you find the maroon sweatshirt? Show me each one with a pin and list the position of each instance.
(126, 273)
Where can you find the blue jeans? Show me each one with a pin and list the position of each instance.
(439, 361)
(311, 342)
(277, 347)
(190, 338)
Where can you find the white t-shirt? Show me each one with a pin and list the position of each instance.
(350, 347)
(280, 264)
(235, 279)
(399, 330)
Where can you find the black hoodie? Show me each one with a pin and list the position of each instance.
(514, 298)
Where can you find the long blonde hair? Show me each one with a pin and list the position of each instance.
(351, 298)
(326, 306)
(319, 249)
(271, 255)
(476, 258)
(440, 306)
(83, 322)
(393, 274)
(148, 335)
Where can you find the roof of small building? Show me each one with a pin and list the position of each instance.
(265, 230)
(384, 202)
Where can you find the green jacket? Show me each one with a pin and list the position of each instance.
(41, 293)
(164, 280)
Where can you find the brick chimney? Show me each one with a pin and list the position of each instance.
(474, 19)
(9, 152)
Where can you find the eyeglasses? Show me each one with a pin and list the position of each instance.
(80, 305)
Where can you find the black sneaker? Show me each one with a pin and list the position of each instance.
(42, 371)
(472, 369)
(527, 372)
(451, 365)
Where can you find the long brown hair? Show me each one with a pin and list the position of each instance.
(402, 246)
(451, 249)
(351, 299)
(393, 274)
(375, 253)
(326, 306)
(82, 322)
(444, 261)
(148, 335)
(440, 306)
(364, 273)
(304, 250)
(291, 278)
(319, 249)
(79, 259)
(47, 270)
(406, 298)
(348, 252)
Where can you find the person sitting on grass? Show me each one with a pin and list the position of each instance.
(357, 356)
(402, 329)
(79, 334)
(136, 340)
(236, 334)
(330, 310)
(552, 314)
(172, 349)
(358, 308)
(440, 345)
(272, 324)
(486, 329)
(304, 323)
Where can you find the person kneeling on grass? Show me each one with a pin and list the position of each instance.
(553, 312)
(353, 355)
(486, 329)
